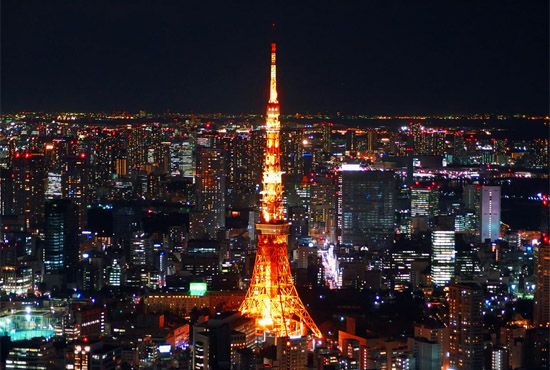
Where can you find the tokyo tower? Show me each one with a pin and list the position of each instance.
(272, 299)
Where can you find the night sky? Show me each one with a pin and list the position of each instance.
(372, 57)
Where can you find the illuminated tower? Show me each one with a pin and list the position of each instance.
(272, 299)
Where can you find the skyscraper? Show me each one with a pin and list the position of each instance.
(75, 184)
(210, 193)
(443, 257)
(424, 201)
(466, 326)
(272, 300)
(366, 206)
(28, 185)
(542, 290)
(490, 213)
(61, 238)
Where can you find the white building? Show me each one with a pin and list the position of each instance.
(443, 257)
(490, 213)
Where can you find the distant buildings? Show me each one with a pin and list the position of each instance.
(119, 214)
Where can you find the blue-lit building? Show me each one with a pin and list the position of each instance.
(61, 238)
(366, 206)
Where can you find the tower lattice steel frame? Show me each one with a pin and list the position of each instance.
(272, 299)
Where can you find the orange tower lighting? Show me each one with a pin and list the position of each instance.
(272, 299)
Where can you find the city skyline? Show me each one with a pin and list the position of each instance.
(396, 58)
(366, 234)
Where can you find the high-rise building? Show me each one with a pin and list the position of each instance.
(322, 207)
(136, 147)
(61, 238)
(209, 215)
(490, 213)
(141, 250)
(327, 133)
(542, 290)
(241, 179)
(466, 326)
(6, 192)
(424, 201)
(366, 206)
(402, 261)
(292, 151)
(75, 185)
(29, 188)
(427, 354)
(433, 332)
(499, 359)
(443, 257)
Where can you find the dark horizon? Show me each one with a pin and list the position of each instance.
(369, 58)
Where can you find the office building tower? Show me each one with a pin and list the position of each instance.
(15, 242)
(6, 192)
(499, 359)
(443, 257)
(424, 201)
(35, 354)
(322, 206)
(61, 238)
(292, 353)
(466, 326)
(327, 133)
(292, 151)
(241, 181)
(542, 289)
(136, 147)
(426, 354)
(141, 250)
(402, 274)
(29, 188)
(471, 197)
(366, 206)
(75, 184)
(490, 213)
(209, 214)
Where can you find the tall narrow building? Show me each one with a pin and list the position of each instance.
(272, 300)
(490, 213)
(209, 215)
(61, 238)
(443, 257)
(542, 290)
(466, 326)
